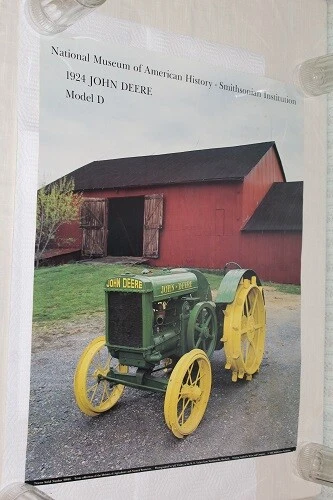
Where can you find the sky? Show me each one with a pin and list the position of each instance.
(178, 116)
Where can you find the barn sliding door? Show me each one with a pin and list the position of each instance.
(153, 219)
(93, 224)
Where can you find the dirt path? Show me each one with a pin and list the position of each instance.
(242, 417)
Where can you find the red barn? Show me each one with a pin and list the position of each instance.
(194, 209)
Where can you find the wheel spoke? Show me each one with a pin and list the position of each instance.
(245, 328)
(182, 413)
(250, 343)
(94, 392)
(249, 339)
(108, 388)
(253, 342)
(105, 390)
(92, 387)
(254, 304)
(199, 377)
(190, 373)
(107, 364)
(250, 355)
(188, 380)
(208, 320)
(198, 342)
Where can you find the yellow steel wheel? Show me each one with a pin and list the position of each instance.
(187, 393)
(93, 394)
(244, 330)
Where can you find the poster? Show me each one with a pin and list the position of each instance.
(108, 109)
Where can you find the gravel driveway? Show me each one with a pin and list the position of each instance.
(241, 418)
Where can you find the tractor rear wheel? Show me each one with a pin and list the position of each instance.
(187, 393)
(93, 393)
(244, 330)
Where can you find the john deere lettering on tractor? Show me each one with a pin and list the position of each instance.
(166, 328)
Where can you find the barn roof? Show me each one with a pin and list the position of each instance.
(280, 210)
(206, 165)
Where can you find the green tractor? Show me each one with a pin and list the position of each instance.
(162, 329)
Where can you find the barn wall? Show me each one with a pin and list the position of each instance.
(68, 235)
(274, 256)
(258, 181)
(201, 228)
(201, 223)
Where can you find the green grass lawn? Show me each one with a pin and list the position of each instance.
(64, 292)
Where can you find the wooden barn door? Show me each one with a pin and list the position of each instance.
(93, 224)
(153, 219)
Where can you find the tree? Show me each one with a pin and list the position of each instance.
(57, 204)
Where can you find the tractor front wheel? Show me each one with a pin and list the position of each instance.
(93, 393)
(187, 393)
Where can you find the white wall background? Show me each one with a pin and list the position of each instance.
(283, 33)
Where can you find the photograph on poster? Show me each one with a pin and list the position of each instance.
(166, 325)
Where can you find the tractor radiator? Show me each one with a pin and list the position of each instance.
(125, 319)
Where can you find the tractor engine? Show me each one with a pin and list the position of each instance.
(148, 316)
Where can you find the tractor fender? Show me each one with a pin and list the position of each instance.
(229, 284)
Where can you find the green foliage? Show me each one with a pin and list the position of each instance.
(56, 205)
